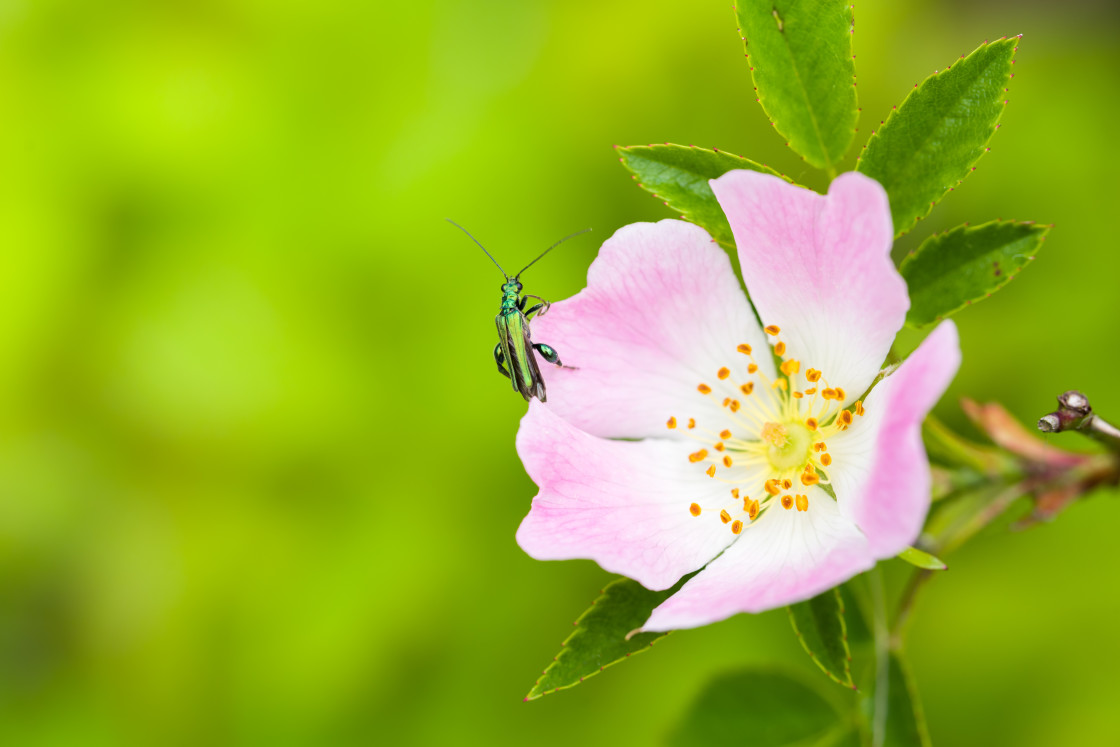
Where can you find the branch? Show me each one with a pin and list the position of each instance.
(1076, 414)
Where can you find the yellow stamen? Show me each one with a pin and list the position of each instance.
(726, 461)
(826, 459)
(711, 471)
(747, 388)
(859, 407)
(802, 503)
(791, 367)
(780, 348)
(752, 368)
(773, 329)
(672, 423)
(723, 373)
(691, 423)
(698, 456)
(753, 510)
(813, 375)
(725, 434)
(704, 389)
(772, 487)
(719, 446)
(736, 526)
(744, 348)
(811, 424)
(787, 502)
(724, 517)
(694, 509)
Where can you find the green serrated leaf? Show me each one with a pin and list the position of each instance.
(969, 263)
(932, 140)
(800, 54)
(906, 723)
(764, 708)
(819, 625)
(916, 557)
(678, 175)
(599, 639)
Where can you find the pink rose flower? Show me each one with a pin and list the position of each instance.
(754, 451)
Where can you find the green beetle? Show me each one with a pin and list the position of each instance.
(512, 355)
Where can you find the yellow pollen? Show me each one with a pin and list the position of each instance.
(773, 487)
(747, 388)
(752, 368)
(829, 394)
(802, 503)
(672, 423)
(744, 348)
(723, 373)
(780, 384)
(813, 375)
(694, 509)
(698, 456)
(724, 517)
(811, 424)
(840, 395)
(773, 329)
(787, 484)
(725, 434)
(780, 348)
(820, 446)
(791, 367)
(811, 391)
(859, 407)
(734, 492)
(787, 502)
(753, 510)
(798, 395)
(845, 417)
(726, 461)
(826, 459)
(775, 433)
(711, 471)
(736, 526)
(807, 477)
(691, 423)
(726, 401)
(719, 446)
(704, 389)
(734, 405)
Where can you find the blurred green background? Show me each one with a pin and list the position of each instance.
(257, 476)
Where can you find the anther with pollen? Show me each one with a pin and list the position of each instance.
(723, 373)
(820, 446)
(698, 456)
(826, 459)
(811, 423)
(736, 526)
(752, 510)
(725, 434)
(691, 423)
(747, 388)
(694, 509)
(787, 502)
(704, 389)
(802, 503)
(711, 471)
(780, 348)
(672, 423)
(787, 484)
(752, 368)
(773, 487)
(813, 375)
(719, 446)
(724, 516)
(810, 476)
(845, 418)
(744, 348)
(726, 461)
(859, 407)
(735, 493)
(773, 329)
(790, 367)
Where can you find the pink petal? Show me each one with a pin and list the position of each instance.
(662, 312)
(787, 556)
(623, 504)
(879, 469)
(819, 267)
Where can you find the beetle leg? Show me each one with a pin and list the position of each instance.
(500, 359)
(549, 354)
(539, 309)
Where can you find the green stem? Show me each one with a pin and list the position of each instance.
(882, 657)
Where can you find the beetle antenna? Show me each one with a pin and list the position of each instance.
(549, 249)
(480, 246)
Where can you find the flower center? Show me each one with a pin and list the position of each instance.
(790, 445)
(771, 441)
